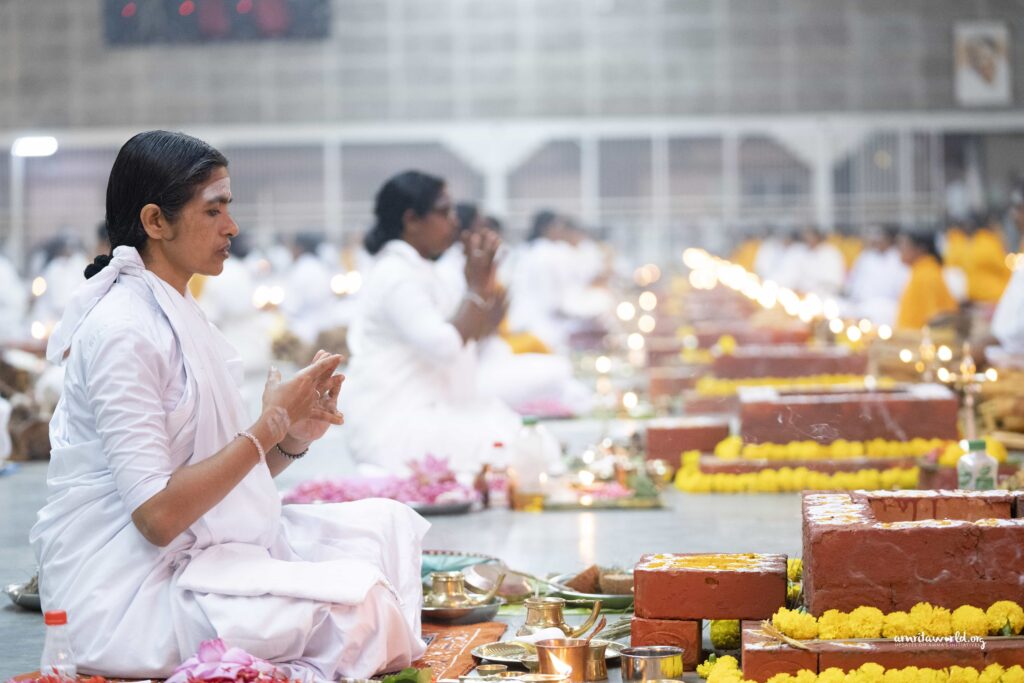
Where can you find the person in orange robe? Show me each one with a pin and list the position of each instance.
(955, 252)
(987, 272)
(926, 294)
(746, 253)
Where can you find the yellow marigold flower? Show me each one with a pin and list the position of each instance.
(832, 675)
(725, 672)
(806, 676)
(691, 461)
(782, 678)
(950, 454)
(931, 620)
(897, 624)
(728, 662)
(705, 667)
(726, 344)
(725, 634)
(719, 676)
(866, 622)
(795, 624)
(962, 674)
(996, 449)
(970, 620)
(1015, 674)
(833, 624)
(991, 674)
(729, 448)
(1002, 613)
(909, 477)
(871, 672)
(907, 675)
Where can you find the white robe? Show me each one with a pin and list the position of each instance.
(410, 386)
(309, 303)
(13, 303)
(875, 285)
(63, 275)
(150, 388)
(227, 302)
(1008, 319)
(769, 253)
(788, 267)
(822, 271)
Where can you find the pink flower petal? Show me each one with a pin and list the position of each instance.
(211, 650)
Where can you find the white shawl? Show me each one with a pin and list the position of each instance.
(251, 512)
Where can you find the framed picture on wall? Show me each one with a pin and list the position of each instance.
(982, 63)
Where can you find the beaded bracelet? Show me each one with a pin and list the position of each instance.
(292, 456)
(255, 442)
(478, 300)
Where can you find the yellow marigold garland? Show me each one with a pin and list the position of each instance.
(733, 448)
(1001, 618)
(718, 386)
(727, 670)
(787, 479)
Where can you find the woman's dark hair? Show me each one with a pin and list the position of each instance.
(924, 241)
(410, 190)
(308, 242)
(494, 223)
(466, 214)
(542, 222)
(155, 167)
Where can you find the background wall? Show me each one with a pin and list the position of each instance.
(676, 120)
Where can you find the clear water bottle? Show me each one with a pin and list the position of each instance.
(58, 659)
(536, 452)
(976, 470)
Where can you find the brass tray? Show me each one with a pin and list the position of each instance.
(471, 614)
(509, 652)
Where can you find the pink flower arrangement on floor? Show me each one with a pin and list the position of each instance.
(431, 482)
(215, 662)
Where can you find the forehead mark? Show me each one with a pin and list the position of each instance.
(218, 190)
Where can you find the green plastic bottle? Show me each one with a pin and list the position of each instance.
(976, 469)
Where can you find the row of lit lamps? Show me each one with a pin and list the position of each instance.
(707, 271)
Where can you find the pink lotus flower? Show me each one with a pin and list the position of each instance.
(215, 662)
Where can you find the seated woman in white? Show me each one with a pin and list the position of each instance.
(413, 340)
(163, 527)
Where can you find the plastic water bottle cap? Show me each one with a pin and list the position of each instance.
(529, 420)
(976, 445)
(57, 618)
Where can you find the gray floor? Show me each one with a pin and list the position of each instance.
(553, 542)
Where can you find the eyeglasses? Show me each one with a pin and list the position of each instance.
(444, 209)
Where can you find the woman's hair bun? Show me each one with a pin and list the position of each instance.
(98, 264)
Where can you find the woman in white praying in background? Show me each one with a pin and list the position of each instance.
(413, 340)
(163, 527)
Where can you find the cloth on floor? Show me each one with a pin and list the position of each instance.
(449, 653)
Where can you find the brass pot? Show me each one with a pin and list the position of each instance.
(448, 589)
(546, 612)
